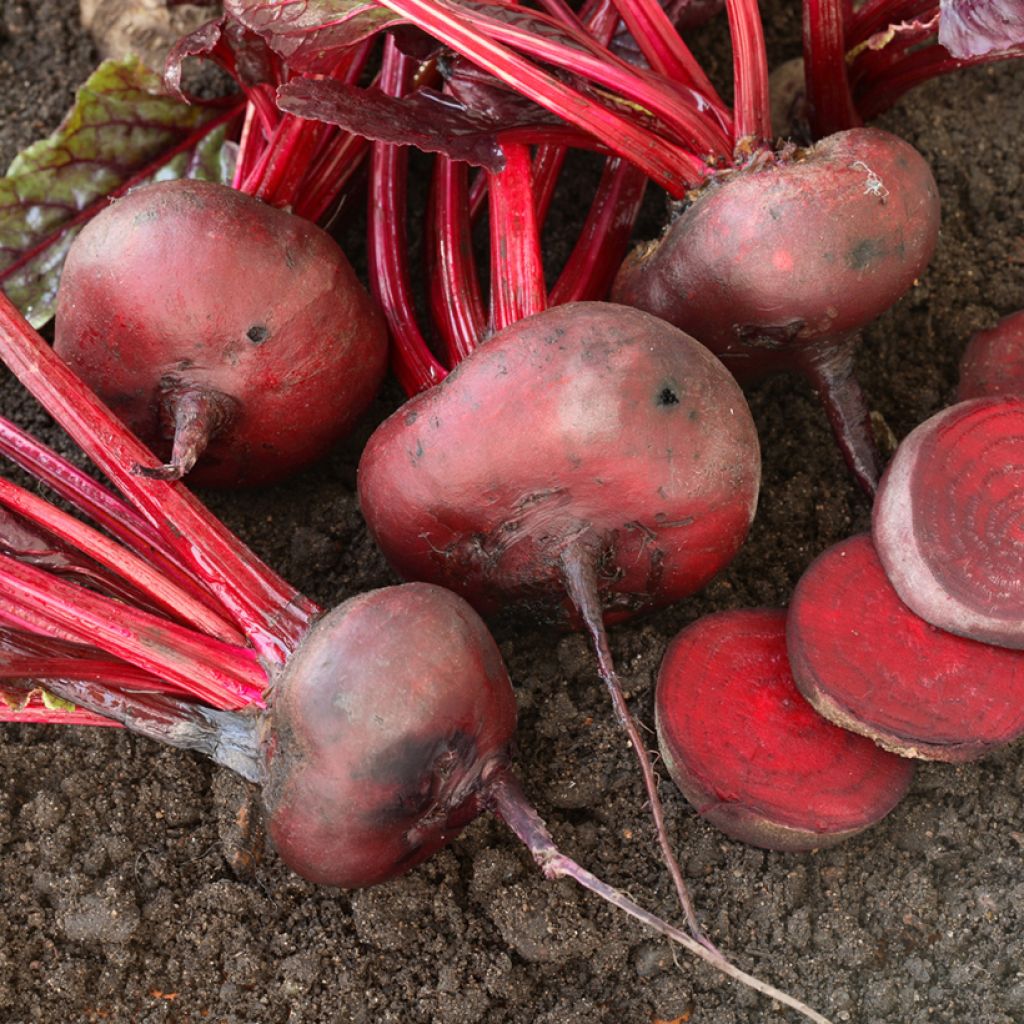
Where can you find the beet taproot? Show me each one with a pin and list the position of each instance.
(220, 329)
(776, 266)
(993, 361)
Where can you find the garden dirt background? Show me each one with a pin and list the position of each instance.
(117, 901)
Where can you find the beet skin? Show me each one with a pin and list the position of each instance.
(187, 289)
(587, 426)
(382, 731)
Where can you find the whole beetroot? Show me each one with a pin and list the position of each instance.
(233, 330)
(777, 265)
(588, 432)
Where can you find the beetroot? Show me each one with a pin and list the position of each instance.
(237, 330)
(866, 662)
(380, 753)
(947, 523)
(993, 362)
(589, 428)
(750, 754)
(778, 266)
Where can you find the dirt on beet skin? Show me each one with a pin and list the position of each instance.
(123, 897)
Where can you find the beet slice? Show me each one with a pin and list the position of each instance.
(868, 663)
(750, 754)
(993, 362)
(948, 522)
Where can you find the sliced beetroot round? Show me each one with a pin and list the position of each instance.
(993, 362)
(948, 523)
(751, 755)
(866, 662)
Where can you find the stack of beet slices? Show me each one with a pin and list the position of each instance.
(793, 730)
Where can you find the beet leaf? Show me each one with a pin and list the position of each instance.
(121, 131)
(978, 28)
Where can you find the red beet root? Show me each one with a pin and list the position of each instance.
(587, 428)
(378, 757)
(750, 754)
(590, 461)
(239, 330)
(866, 662)
(947, 523)
(778, 266)
(993, 362)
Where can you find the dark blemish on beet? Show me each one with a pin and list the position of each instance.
(289, 259)
(864, 253)
(258, 333)
(411, 418)
(693, 415)
(774, 213)
(667, 396)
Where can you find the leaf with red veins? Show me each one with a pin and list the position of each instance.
(309, 33)
(121, 130)
(426, 119)
(981, 28)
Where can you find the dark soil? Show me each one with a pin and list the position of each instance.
(119, 902)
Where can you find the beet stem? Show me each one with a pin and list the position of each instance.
(605, 236)
(455, 298)
(517, 273)
(580, 576)
(830, 372)
(507, 801)
(664, 49)
(219, 673)
(99, 504)
(150, 583)
(199, 414)
(751, 107)
(227, 738)
(830, 104)
(414, 364)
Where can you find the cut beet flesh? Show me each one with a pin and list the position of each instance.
(993, 362)
(868, 663)
(948, 523)
(751, 755)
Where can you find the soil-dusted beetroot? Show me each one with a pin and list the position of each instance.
(866, 662)
(588, 427)
(777, 266)
(993, 362)
(385, 726)
(948, 523)
(751, 755)
(236, 329)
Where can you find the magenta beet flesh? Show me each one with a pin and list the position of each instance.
(384, 727)
(588, 423)
(751, 755)
(869, 664)
(191, 287)
(948, 524)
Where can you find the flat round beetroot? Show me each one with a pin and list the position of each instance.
(868, 663)
(948, 523)
(587, 423)
(751, 755)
